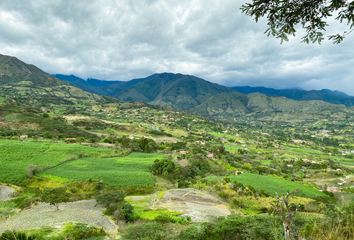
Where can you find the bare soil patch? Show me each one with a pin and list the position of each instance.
(6, 193)
(198, 205)
(46, 215)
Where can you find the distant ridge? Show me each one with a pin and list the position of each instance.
(326, 95)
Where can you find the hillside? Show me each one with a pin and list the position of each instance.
(176, 90)
(18, 79)
(326, 95)
(257, 105)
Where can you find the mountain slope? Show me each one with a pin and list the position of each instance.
(326, 95)
(176, 90)
(18, 79)
(257, 105)
(91, 82)
(336, 93)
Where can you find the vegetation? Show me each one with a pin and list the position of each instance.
(128, 156)
(283, 16)
(133, 170)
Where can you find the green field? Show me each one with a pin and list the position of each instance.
(15, 156)
(223, 135)
(133, 170)
(274, 185)
(304, 150)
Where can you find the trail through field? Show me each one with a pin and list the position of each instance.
(6, 193)
(46, 215)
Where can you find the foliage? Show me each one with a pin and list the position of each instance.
(112, 200)
(236, 227)
(283, 16)
(146, 231)
(162, 165)
(54, 196)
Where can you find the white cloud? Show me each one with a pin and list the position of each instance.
(121, 40)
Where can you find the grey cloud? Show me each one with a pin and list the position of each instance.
(121, 40)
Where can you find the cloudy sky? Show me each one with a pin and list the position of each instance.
(126, 39)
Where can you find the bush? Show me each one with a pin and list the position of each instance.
(146, 231)
(183, 184)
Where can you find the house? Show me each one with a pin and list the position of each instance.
(183, 152)
(24, 136)
(333, 189)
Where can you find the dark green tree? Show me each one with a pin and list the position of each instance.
(283, 16)
(55, 196)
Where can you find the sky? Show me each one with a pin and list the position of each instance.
(127, 39)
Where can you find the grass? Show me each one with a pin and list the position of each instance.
(274, 185)
(133, 170)
(7, 209)
(17, 155)
(151, 215)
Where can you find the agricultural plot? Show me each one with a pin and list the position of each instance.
(15, 156)
(304, 150)
(133, 170)
(274, 185)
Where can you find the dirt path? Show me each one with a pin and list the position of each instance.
(46, 215)
(6, 193)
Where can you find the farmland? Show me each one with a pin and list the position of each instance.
(274, 185)
(16, 156)
(133, 170)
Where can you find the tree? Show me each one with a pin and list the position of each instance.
(54, 196)
(113, 202)
(284, 15)
(285, 211)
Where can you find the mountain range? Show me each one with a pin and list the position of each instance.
(20, 79)
(167, 89)
(326, 95)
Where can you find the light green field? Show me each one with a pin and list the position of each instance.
(133, 170)
(223, 135)
(264, 162)
(304, 150)
(274, 185)
(15, 156)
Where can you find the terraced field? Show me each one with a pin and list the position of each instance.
(133, 170)
(17, 155)
(274, 185)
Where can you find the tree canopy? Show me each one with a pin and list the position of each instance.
(284, 15)
(54, 196)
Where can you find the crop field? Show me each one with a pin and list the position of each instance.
(133, 170)
(274, 185)
(264, 162)
(15, 156)
(223, 135)
(347, 163)
(231, 147)
(304, 150)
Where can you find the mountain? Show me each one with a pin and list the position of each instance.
(101, 87)
(326, 95)
(258, 105)
(336, 93)
(21, 80)
(176, 90)
(89, 82)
